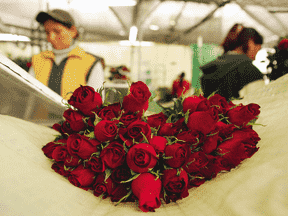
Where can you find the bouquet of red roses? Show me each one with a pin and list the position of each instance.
(118, 152)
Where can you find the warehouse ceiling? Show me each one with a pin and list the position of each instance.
(168, 22)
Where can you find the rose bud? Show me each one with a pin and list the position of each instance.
(157, 120)
(86, 100)
(141, 157)
(201, 121)
(219, 102)
(103, 187)
(113, 155)
(195, 103)
(75, 120)
(159, 144)
(72, 161)
(211, 142)
(195, 162)
(137, 100)
(128, 118)
(79, 145)
(96, 164)
(105, 130)
(147, 188)
(176, 184)
(60, 153)
(242, 115)
(196, 180)
(49, 148)
(178, 152)
(136, 130)
(58, 167)
(81, 177)
(109, 112)
(121, 173)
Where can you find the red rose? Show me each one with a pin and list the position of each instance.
(96, 164)
(105, 130)
(247, 135)
(195, 103)
(103, 187)
(195, 162)
(121, 173)
(178, 152)
(283, 44)
(113, 155)
(109, 112)
(49, 148)
(60, 153)
(128, 118)
(211, 142)
(81, 146)
(233, 150)
(75, 120)
(171, 129)
(201, 121)
(86, 100)
(72, 161)
(135, 131)
(159, 144)
(147, 188)
(63, 128)
(175, 183)
(82, 177)
(58, 167)
(157, 120)
(191, 137)
(137, 100)
(219, 102)
(225, 130)
(241, 114)
(167, 129)
(141, 157)
(196, 180)
(211, 169)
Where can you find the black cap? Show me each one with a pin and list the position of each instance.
(57, 15)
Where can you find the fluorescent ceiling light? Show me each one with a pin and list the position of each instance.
(136, 43)
(154, 27)
(133, 34)
(13, 37)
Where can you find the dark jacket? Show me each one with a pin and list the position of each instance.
(228, 74)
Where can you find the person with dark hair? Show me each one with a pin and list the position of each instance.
(233, 70)
(67, 66)
(180, 86)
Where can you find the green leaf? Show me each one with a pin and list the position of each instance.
(145, 138)
(91, 135)
(108, 173)
(186, 116)
(96, 154)
(131, 179)
(166, 158)
(124, 198)
(97, 119)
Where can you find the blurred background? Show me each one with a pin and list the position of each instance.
(148, 40)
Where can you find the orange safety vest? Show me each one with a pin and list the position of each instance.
(75, 71)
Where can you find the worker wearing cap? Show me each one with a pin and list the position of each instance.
(67, 66)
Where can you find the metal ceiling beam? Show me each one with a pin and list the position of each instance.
(124, 27)
(275, 17)
(151, 12)
(260, 21)
(209, 16)
(178, 16)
